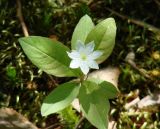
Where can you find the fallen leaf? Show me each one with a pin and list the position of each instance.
(149, 100)
(10, 119)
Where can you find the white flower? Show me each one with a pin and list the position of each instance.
(84, 56)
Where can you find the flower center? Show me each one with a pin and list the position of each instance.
(83, 56)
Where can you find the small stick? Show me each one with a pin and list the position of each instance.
(130, 60)
(79, 122)
(137, 22)
(52, 126)
(157, 2)
(20, 16)
(139, 70)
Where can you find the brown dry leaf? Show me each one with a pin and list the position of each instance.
(149, 100)
(76, 105)
(112, 125)
(110, 74)
(10, 119)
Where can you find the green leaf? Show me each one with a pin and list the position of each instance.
(48, 55)
(108, 89)
(84, 26)
(11, 72)
(103, 35)
(60, 98)
(94, 106)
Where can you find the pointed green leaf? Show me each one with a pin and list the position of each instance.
(108, 89)
(94, 106)
(60, 98)
(48, 55)
(84, 26)
(103, 35)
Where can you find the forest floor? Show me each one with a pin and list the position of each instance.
(136, 54)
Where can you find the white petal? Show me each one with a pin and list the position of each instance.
(87, 50)
(79, 45)
(74, 54)
(95, 55)
(74, 64)
(90, 47)
(84, 67)
(92, 64)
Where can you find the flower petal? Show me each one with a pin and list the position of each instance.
(90, 47)
(84, 67)
(84, 56)
(73, 55)
(80, 45)
(95, 55)
(74, 64)
(92, 64)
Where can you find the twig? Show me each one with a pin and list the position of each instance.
(79, 122)
(132, 103)
(139, 70)
(130, 60)
(20, 16)
(53, 81)
(137, 22)
(52, 126)
(157, 2)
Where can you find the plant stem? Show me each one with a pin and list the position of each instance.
(79, 122)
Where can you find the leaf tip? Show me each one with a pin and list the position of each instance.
(43, 111)
(86, 16)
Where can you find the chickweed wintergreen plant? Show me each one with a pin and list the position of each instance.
(91, 44)
(84, 56)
